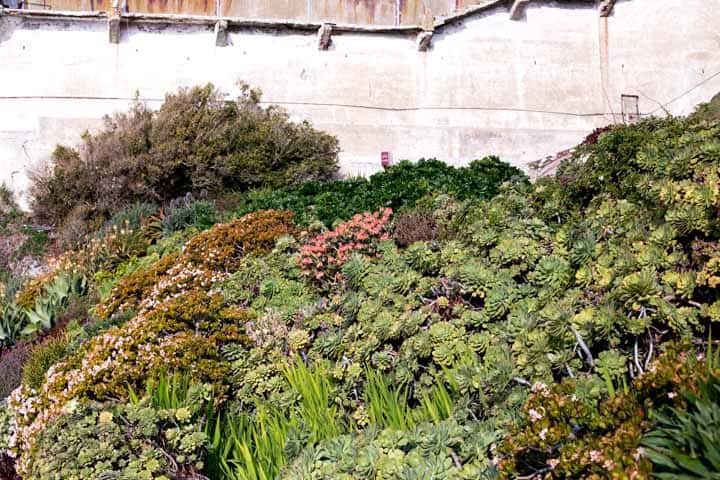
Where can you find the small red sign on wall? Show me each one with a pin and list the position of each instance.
(385, 159)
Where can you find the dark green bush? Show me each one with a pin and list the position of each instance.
(709, 111)
(398, 187)
(196, 142)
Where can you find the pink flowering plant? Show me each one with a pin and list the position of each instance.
(322, 258)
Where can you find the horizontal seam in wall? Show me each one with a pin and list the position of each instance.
(322, 104)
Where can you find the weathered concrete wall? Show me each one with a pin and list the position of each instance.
(519, 89)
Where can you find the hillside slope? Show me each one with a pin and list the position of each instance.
(540, 333)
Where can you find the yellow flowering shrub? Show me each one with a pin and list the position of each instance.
(205, 259)
(222, 247)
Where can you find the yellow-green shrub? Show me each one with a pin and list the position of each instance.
(42, 357)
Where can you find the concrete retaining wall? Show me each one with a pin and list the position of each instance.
(489, 85)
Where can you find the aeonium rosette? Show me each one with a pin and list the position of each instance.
(322, 258)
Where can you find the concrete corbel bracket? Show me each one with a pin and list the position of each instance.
(424, 41)
(325, 36)
(517, 11)
(606, 7)
(114, 25)
(221, 33)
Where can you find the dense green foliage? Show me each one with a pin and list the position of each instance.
(399, 186)
(196, 142)
(555, 331)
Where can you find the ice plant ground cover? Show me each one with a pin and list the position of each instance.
(562, 329)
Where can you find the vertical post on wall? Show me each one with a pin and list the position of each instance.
(114, 23)
(604, 47)
(218, 8)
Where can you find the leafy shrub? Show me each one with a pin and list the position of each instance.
(41, 358)
(7, 463)
(414, 226)
(709, 111)
(400, 186)
(11, 365)
(132, 289)
(322, 258)
(197, 141)
(79, 333)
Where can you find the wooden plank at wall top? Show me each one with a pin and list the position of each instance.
(72, 5)
(279, 9)
(359, 12)
(186, 7)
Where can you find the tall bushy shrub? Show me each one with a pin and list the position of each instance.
(197, 141)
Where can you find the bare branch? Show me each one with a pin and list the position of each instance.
(522, 381)
(650, 351)
(583, 346)
(637, 359)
